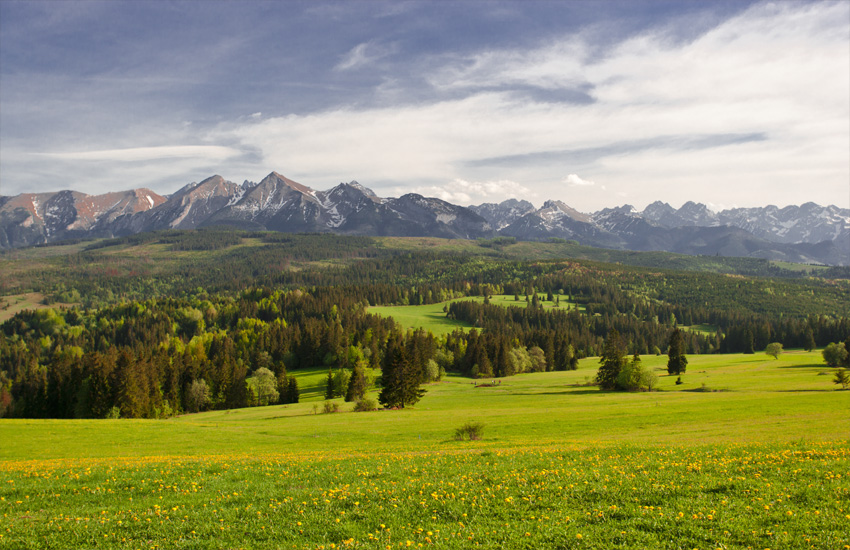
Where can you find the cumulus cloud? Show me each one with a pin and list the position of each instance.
(460, 191)
(573, 180)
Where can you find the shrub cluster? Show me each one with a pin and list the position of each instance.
(470, 431)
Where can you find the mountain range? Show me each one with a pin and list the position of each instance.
(809, 233)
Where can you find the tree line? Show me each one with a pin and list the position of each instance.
(230, 344)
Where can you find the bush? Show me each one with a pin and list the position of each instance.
(330, 407)
(634, 376)
(470, 431)
(834, 354)
(365, 404)
(842, 377)
(648, 379)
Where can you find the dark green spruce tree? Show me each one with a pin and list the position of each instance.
(356, 384)
(613, 359)
(400, 378)
(330, 392)
(292, 390)
(676, 360)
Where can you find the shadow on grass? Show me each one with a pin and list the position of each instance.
(809, 366)
(485, 452)
(566, 392)
(808, 391)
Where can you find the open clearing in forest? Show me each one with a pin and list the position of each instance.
(748, 452)
(15, 303)
(432, 316)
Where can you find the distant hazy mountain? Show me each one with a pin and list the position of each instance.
(807, 233)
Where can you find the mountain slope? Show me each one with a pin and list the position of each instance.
(36, 218)
(556, 219)
(807, 233)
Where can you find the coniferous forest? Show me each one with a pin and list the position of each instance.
(158, 324)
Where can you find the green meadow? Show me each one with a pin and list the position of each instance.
(432, 316)
(749, 452)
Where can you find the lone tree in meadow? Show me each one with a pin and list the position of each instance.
(774, 349)
(834, 354)
(676, 360)
(400, 378)
(612, 361)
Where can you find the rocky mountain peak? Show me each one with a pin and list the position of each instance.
(796, 233)
(277, 179)
(625, 210)
(363, 189)
(504, 213)
(556, 206)
(695, 211)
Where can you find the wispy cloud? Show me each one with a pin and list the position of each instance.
(135, 154)
(362, 55)
(755, 103)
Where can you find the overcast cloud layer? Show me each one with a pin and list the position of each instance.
(593, 103)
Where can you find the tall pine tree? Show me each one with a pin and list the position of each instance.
(612, 360)
(400, 378)
(356, 384)
(676, 362)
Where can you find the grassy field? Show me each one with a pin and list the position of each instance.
(750, 452)
(432, 317)
(15, 303)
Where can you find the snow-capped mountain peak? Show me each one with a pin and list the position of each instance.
(282, 204)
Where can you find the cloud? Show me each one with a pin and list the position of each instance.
(573, 180)
(134, 154)
(362, 55)
(557, 66)
(460, 191)
(752, 105)
(162, 169)
(748, 110)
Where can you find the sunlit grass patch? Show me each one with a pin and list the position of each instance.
(732, 496)
(763, 464)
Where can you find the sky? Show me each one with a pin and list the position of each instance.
(595, 103)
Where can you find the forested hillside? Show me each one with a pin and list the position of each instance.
(183, 321)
